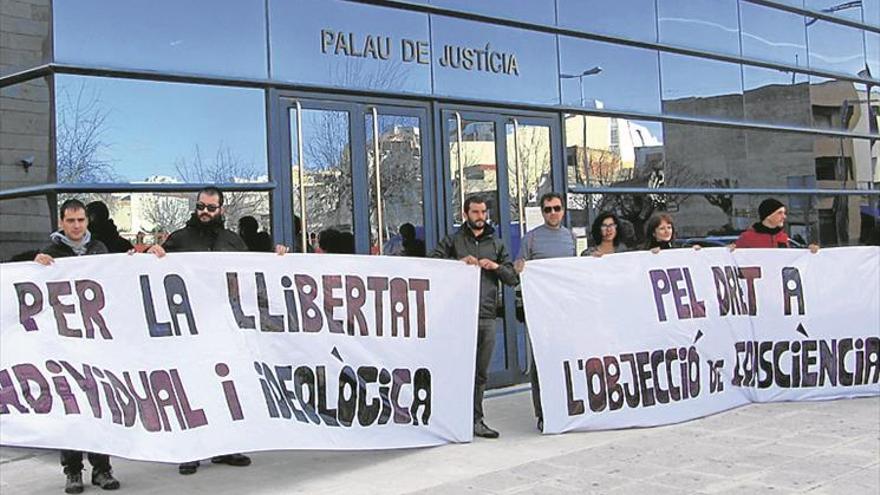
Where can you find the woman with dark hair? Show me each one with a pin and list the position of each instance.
(659, 232)
(606, 236)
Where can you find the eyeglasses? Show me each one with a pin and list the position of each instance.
(203, 206)
(609, 226)
(550, 209)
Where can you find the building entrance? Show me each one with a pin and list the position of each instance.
(510, 160)
(357, 168)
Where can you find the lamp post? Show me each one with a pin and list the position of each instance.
(580, 77)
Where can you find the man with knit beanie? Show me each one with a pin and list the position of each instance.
(768, 232)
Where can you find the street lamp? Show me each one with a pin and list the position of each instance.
(580, 77)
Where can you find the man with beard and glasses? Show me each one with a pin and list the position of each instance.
(475, 244)
(74, 239)
(205, 231)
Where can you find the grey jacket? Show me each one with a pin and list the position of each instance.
(462, 244)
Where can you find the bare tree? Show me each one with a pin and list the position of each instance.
(80, 137)
(225, 168)
(165, 213)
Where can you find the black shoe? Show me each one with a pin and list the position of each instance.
(188, 467)
(232, 460)
(74, 483)
(105, 480)
(481, 430)
(541, 425)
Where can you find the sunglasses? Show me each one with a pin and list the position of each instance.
(210, 208)
(549, 209)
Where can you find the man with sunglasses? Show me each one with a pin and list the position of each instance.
(549, 240)
(205, 231)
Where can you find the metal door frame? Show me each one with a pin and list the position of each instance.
(513, 373)
(358, 108)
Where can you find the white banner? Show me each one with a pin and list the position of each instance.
(642, 339)
(194, 355)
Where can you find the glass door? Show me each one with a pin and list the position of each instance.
(508, 159)
(357, 177)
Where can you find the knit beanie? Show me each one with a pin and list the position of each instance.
(768, 206)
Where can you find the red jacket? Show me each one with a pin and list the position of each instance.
(759, 236)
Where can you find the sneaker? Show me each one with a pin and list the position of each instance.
(105, 480)
(188, 467)
(232, 460)
(541, 425)
(481, 430)
(74, 483)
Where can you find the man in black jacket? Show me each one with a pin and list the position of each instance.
(475, 244)
(205, 231)
(74, 239)
(103, 229)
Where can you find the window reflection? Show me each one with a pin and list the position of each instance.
(772, 34)
(776, 96)
(538, 11)
(835, 47)
(519, 68)
(854, 11)
(350, 45)
(693, 156)
(472, 163)
(26, 35)
(197, 36)
(839, 105)
(115, 130)
(716, 220)
(605, 17)
(705, 24)
(701, 87)
(604, 75)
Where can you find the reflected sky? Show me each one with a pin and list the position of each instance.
(538, 11)
(527, 60)
(835, 47)
(351, 45)
(604, 17)
(151, 127)
(771, 34)
(196, 36)
(705, 24)
(628, 79)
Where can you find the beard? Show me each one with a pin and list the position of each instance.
(477, 225)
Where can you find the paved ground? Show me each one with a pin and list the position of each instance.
(816, 447)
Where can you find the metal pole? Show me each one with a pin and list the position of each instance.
(301, 178)
(519, 180)
(378, 171)
(460, 166)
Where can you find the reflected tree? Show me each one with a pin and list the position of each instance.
(80, 141)
(226, 168)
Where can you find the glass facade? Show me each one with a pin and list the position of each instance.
(366, 118)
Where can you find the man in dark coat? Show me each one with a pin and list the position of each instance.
(475, 244)
(205, 231)
(74, 239)
(103, 229)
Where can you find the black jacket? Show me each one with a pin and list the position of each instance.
(108, 234)
(60, 250)
(462, 244)
(198, 237)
